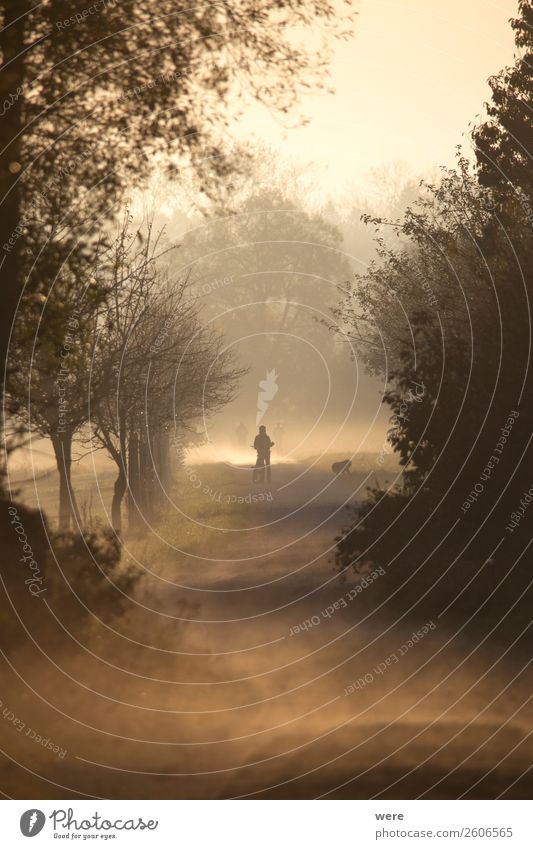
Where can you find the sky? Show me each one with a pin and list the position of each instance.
(408, 85)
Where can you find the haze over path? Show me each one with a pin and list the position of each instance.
(243, 700)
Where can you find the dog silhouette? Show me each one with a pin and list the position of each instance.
(342, 468)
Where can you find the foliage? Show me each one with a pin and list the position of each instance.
(503, 142)
(88, 566)
(159, 367)
(273, 267)
(93, 97)
(448, 310)
(78, 576)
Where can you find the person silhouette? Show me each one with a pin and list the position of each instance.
(262, 444)
(279, 434)
(241, 434)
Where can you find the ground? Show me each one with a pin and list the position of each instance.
(244, 667)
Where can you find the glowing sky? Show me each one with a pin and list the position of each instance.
(408, 84)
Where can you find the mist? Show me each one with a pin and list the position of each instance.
(266, 468)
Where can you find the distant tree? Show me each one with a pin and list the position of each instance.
(273, 268)
(271, 253)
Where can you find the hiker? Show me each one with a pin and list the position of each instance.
(241, 435)
(262, 444)
(279, 434)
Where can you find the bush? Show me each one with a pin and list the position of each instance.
(74, 575)
(88, 567)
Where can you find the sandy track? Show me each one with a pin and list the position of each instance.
(242, 703)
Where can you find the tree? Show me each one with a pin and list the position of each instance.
(94, 95)
(52, 389)
(432, 299)
(162, 370)
(451, 305)
(503, 142)
(273, 267)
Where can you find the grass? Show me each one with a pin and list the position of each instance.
(197, 506)
(193, 524)
(93, 493)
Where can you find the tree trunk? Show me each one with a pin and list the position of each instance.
(68, 508)
(118, 494)
(166, 472)
(161, 453)
(145, 495)
(121, 483)
(12, 81)
(133, 480)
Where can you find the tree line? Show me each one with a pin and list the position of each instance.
(447, 309)
(129, 371)
(90, 102)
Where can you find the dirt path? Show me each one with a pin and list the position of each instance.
(265, 682)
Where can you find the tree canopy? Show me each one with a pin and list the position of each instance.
(93, 95)
(503, 142)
